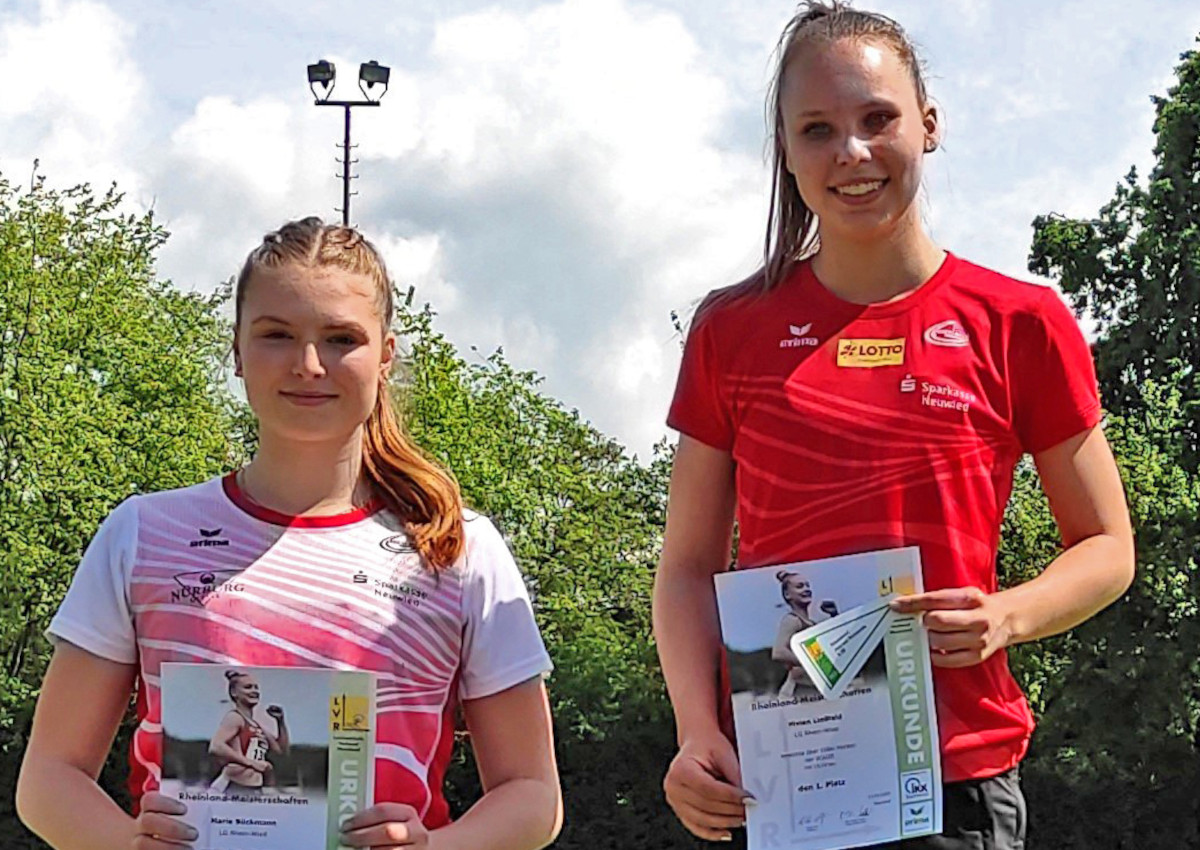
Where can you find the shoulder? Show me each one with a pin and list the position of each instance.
(182, 501)
(999, 294)
(482, 540)
(730, 302)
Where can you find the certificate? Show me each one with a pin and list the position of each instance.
(832, 702)
(267, 758)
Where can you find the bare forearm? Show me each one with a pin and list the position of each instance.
(521, 814)
(91, 821)
(1079, 583)
(687, 633)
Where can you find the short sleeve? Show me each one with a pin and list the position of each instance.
(95, 614)
(501, 643)
(699, 408)
(1054, 379)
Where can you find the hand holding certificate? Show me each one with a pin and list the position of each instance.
(833, 707)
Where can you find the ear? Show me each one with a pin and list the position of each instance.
(932, 122)
(388, 356)
(237, 358)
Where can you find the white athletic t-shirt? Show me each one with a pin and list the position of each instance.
(202, 574)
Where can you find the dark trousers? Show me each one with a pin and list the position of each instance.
(979, 814)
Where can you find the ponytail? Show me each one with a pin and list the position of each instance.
(421, 494)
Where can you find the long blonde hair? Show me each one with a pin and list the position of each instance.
(422, 495)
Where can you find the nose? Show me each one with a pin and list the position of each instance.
(308, 362)
(853, 150)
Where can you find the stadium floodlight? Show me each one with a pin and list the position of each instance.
(321, 74)
(371, 74)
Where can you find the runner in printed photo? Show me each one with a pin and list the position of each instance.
(867, 389)
(241, 744)
(798, 596)
(340, 546)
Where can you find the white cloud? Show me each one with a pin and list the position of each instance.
(71, 93)
(557, 177)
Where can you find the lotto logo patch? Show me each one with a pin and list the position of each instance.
(870, 353)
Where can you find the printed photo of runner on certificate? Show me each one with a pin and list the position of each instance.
(267, 757)
(832, 701)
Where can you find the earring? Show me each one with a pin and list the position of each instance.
(930, 145)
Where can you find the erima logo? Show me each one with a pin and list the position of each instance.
(870, 353)
(800, 337)
(948, 334)
(207, 538)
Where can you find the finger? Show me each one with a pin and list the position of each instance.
(955, 621)
(156, 802)
(947, 642)
(380, 813)
(707, 833)
(683, 796)
(165, 827)
(709, 820)
(946, 599)
(693, 779)
(728, 767)
(390, 834)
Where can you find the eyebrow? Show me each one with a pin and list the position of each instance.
(870, 104)
(333, 326)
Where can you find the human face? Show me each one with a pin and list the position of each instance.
(245, 691)
(797, 591)
(312, 350)
(855, 135)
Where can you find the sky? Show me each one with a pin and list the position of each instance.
(555, 178)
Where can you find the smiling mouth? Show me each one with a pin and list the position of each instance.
(857, 190)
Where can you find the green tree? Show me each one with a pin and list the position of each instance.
(108, 386)
(584, 520)
(1136, 267)
(1116, 760)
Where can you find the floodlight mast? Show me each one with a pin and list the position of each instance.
(370, 74)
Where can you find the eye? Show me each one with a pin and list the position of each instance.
(275, 334)
(816, 130)
(877, 122)
(344, 339)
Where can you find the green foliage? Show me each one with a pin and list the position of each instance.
(1136, 268)
(1119, 695)
(584, 520)
(108, 386)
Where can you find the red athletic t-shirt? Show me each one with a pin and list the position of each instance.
(856, 428)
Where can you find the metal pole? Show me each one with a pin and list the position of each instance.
(346, 172)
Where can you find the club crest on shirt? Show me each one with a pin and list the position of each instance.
(198, 586)
(398, 544)
(870, 353)
(948, 334)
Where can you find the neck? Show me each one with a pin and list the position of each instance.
(306, 479)
(879, 271)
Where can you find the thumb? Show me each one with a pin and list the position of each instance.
(725, 762)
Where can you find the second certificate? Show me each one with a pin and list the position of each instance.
(851, 760)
